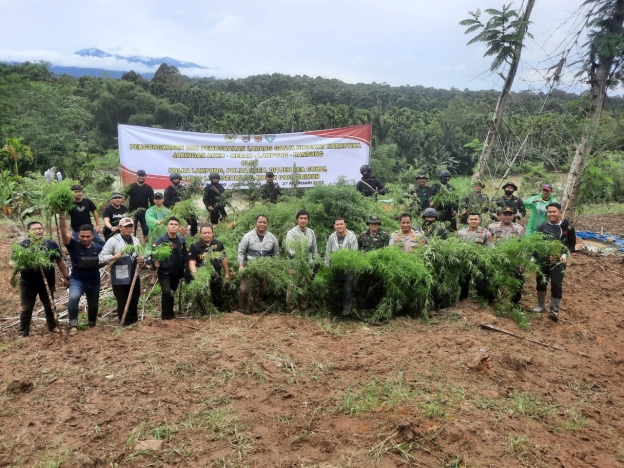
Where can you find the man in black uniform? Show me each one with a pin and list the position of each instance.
(112, 214)
(174, 194)
(447, 209)
(369, 185)
(511, 201)
(209, 249)
(81, 214)
(171, 271)
(212, 195)
(553, 269)
(271, 190)
(140, 195)
(31, 281)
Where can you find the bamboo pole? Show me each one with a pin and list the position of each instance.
(125, 312)
(50, 298)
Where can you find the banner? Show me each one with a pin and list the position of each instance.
(318, 157)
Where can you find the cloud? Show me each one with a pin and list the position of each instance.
(358, 61)
(226, 24)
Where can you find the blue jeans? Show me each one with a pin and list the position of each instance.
(76, 289)
(96, 237)
(140, 219)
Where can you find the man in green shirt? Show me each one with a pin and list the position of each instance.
(537, 206)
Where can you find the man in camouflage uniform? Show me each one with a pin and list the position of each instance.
(511, 201)
(418, 196)
(373, 238)
(409, 237)
(477, 201)
(507, 229)
(448, 209)
(431, 227)
(475, 233)
(271, 190)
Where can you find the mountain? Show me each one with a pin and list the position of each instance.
(149, 61)
(77, 72)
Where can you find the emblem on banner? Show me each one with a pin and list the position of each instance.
(269, 138)
(229, 137)
(246, 138)
(257, 138)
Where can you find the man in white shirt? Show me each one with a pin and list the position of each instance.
(342, 238)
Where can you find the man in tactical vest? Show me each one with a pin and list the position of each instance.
(475, 233)
(447, 208)
(369, 185)
(212, 195)
(507, 229)
(271, 190)
(553, 269)
(85, 272)
(174, 194)
(123, 269)
(373, 238)
(418, 196)
(511, 201)
(431, 227)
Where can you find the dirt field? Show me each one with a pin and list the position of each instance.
(287, 391)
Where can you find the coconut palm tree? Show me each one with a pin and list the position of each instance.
(15, 150)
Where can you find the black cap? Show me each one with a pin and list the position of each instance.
(158, 195)
(76, 187)
(270, 174)
(141, 173)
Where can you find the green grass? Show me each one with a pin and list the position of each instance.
(576, 421)
(600, 209)
(376, 395)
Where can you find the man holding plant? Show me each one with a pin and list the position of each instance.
(155, 215)
(209, 250)
(112, 214)
(342, 238)
(32, 282)
(481, 236)
(124, 250)
(85, 273)
(300, 233)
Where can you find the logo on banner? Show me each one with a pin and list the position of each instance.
(257, 138)
(246, 138)
(269, 138)
(230, 137)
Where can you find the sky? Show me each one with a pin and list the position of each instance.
(399, 42)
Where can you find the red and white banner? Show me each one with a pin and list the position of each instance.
(319, 157)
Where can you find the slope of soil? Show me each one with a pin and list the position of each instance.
(287, 391)
(609, 223)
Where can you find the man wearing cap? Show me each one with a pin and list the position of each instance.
(81, 213)
(510, 200)
(271, 190)
(173, 196)
(212, 198)
(418, 196)
(475, 202)
(369, 185)
(537, 206)
(124, 268)
(140, 198)
(409, 237)
(112, 214)
(479, 235)
(85, 272)
(373, 238)
(553, 269)
(507, 229)
(301, 233)
(155, 215)
(431, 227)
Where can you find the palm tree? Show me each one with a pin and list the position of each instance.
(16, 151)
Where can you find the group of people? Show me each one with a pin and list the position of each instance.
(88, 251)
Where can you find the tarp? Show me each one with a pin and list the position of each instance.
(619, 243)
(322, 156)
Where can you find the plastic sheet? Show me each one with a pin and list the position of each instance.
(594, 236)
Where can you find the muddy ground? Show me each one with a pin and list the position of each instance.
(290, 391)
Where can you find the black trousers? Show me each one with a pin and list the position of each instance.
(121, 296)
(518, 296)
(168, 285)
(482, 284)
(192, 222)
(344, 297)
(216, 213)
(140, 219)
(28, 297)
(553, 272)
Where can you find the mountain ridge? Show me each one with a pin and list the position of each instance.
(149, 61)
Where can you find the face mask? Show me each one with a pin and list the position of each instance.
(509, 192)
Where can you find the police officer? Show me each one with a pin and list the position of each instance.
(553, 269)
(271, 190)
(479, 235)
(174, 194)
(511, 201)
(447, 210)
(409, 237)
(476, 201)
(419, 196)
(212, 195)
(431, 227)
(507, 229)
(369, 185)
(373, 238)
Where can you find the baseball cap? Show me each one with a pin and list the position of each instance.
(158, 195)
(116, 195)
(547, 187)
(76, 187)
(270, 174)
(141, 172)
(123, 222)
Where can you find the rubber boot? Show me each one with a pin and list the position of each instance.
(554, 308)
(541, 302)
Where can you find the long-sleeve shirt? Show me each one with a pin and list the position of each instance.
(563, 232)
(537, 205)
(251, 246)
(296, 234)
(140, 196)
(155, 214)
(114, 245)
(350, 242)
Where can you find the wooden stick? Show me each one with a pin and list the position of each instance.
(487, 326)
(50, 298)
(261, 316)
(125, 312)
(194, 328)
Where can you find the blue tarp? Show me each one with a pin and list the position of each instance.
(619, 243)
